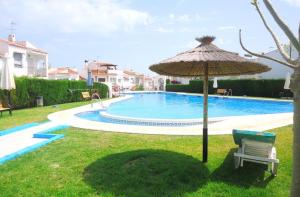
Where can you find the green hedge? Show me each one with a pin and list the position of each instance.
(53, 91)
(240, 87)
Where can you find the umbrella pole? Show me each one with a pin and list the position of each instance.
(205, 109)
(8, 98)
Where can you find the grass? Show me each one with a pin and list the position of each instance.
(88, 163)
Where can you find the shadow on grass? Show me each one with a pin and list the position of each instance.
(250, 175)
(146, 172)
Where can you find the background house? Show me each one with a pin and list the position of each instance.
(67, 73)
(119, 79)
(101, 71)
(148, 83)
(159, 83)
(278, 70)
(25, 58)
(2, 59)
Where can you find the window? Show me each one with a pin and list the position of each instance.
(101, 79)
(113, 80)
(18, 60)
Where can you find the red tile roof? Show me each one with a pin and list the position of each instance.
(99, 72)
(129, 72)
(148, 78)
(71, 71)
(94, 65)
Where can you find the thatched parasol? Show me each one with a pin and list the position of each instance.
(207, 60)
(7, 81)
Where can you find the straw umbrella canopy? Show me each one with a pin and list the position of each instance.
(207, 60)
(7, 79)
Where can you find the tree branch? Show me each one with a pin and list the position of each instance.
(299, 36)
(263, 56)
(280, 49)
(282, 25)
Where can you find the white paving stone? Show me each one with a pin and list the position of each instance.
(19, 140)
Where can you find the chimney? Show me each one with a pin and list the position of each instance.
(12, 37)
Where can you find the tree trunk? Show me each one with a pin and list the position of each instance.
(295, 87)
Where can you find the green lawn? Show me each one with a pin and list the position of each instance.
(88, 163)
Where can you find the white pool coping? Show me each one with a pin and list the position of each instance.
(224, 126)
(160, 121)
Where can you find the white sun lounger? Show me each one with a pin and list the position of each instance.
(258, 152)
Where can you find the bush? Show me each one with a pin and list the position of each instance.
(53, 91)
(168, 81)
(178, 88)
(140, 88)
(175, 82)
(250, 87)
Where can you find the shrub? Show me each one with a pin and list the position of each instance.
(250, 87)
(168, 81)
(175, 82)
(140, 88)
(53, 91)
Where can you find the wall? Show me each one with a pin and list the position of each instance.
(278, 71)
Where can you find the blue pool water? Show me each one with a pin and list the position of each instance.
(180, 106)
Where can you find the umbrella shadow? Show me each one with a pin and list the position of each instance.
(146, 172)
(251, 175)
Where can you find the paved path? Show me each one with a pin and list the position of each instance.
(14, 142)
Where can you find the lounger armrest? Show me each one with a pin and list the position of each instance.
(256, 158)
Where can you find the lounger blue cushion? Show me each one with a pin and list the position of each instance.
(238, 135)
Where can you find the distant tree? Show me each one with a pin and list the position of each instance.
(295, 81)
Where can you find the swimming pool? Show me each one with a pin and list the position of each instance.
(175, 109)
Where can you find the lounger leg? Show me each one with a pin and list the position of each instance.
(237, 160)
(274, 165)
(10, 112)
(274, 169)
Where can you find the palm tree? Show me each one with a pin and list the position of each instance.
(295, 81)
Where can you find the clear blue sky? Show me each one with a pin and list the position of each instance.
(137, 33)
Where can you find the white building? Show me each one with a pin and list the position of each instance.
(24, 57)
(120, 79)
(63, 73)
(159, 83)
(148, 83)
(180, 80)
(2, 57)
(278, 71)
